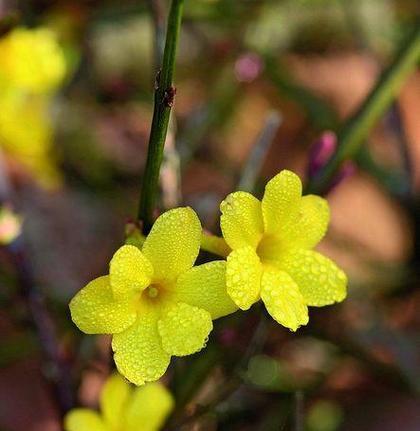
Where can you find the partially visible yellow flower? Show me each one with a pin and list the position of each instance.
(271, 257)
(26, 133)
(10, 225)
(154, 302)
(31, 60)
(123, 408)
(32, 66)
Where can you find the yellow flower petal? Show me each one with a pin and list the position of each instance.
(283, 300)
(204, 286)
(243, 277)
(32, 59)
(311, 224)
(173, 243)
(281, 201)
(215, 245)
(114, 397)
(319, 279)
(184, 329)
(149, 407)
(95, 311)
(26, 133)
(138, 351)
(129, 271)
(84, 420)
(241, 220)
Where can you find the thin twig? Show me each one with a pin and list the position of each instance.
(256, 343)
(408, 167)
(229, 387)
(299, 413)
(259, 151)
(55, 367)
(356, 129)
(164, 101)
(158, 16)
(248, 179)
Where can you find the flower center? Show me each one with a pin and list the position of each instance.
(156, 295)
(269, 248)
(153, 291)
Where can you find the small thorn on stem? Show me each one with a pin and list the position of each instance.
(169, 97)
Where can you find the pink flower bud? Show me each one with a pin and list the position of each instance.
(321, 152)
(247, 67)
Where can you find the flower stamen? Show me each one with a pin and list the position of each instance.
(152, 291)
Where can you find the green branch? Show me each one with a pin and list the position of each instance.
(356, 129)
(164, 100)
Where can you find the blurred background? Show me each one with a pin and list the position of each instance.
(72, 152)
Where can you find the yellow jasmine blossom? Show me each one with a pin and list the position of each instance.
(154, 302)
(272, 257)
(123, 408)
(31, 60)
(26, 133)
(32, 65)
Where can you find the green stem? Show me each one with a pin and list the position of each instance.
(357, 128)
(164, 100)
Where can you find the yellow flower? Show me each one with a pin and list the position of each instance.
(271, 257)
(154, 302)
(124, 408)
(31, 60)
(26, 133)
(32, 65)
